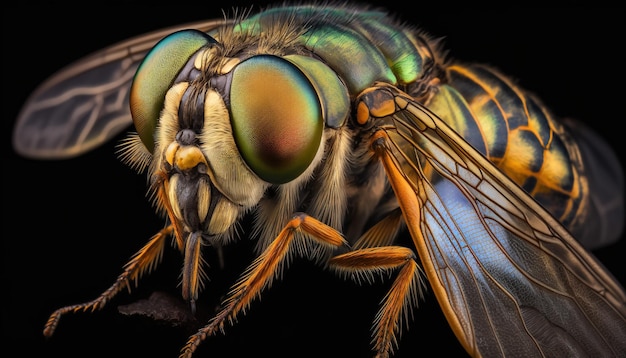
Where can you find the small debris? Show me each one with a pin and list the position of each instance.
(162, 307)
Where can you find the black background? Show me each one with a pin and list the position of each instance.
(70, 226)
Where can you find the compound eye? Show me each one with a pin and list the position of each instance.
(155, 76)
(276, 117)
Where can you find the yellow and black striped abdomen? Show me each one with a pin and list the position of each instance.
(552, 160)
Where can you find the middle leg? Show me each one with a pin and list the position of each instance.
(402, 297)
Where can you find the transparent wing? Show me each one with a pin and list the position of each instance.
(85, 104)
(509, 277)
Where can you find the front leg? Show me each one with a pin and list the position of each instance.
(142, 262)
(263, 270)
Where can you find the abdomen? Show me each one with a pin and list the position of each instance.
(562, 164)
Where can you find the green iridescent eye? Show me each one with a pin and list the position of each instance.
(276, 117)
(155, 76)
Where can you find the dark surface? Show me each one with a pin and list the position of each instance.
(70, 226)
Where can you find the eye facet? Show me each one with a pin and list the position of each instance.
(155, 76)
(276, 117)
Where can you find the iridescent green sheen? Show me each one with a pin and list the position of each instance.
(276, 117)
(155, 76)
(406, 63)
(333, 95)
(362, 47)
(458, 115)
(366, 63)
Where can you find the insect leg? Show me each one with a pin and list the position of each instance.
(145, 260)
(401, 298)
(383, 233)
(263, 270)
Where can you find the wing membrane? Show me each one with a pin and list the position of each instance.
(509, 277)
(86, 103)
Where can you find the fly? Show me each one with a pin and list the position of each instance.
(265, 115)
